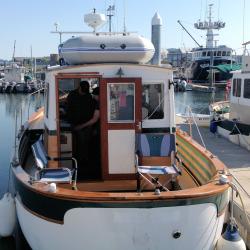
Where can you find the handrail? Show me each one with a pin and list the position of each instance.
(241, 187)
(191, 114)
(31, 94)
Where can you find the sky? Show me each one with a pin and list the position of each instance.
(30, 22)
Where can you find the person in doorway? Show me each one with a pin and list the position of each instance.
(80, 110)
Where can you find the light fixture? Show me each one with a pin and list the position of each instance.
(120, 72)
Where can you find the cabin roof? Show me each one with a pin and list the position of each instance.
(61, 68)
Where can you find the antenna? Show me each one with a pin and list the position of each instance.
(243, 20)
(111, 12)
(124, 18)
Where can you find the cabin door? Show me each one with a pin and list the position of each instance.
(120, 107)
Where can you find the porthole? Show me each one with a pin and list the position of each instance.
(102, 46)
(123, 46)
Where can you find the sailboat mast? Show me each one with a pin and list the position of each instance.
(14, 51)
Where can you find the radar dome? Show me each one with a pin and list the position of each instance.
(94, 19)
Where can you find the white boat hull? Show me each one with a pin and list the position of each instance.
(201, 120)
(125, 228)
(238, 139)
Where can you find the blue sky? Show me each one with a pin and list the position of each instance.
(29, 22)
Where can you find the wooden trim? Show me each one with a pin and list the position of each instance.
(103, 127)
(120, 176)
(69, 199)
(74, 75)
(77, 75)
(58, 134)
(210, 189)
(118, 126)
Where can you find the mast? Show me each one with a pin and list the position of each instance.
(209, 26)
(14, 51)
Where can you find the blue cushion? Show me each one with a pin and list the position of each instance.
(55, 175)
(155, 144)
(40, 154)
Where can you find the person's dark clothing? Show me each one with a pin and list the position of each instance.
(80, 108)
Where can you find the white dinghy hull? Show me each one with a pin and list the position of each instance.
(106, 48)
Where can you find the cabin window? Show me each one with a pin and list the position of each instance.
(246, 88)
(236, 87)
(47, 100)
(214, 53)
(223, 53)
(228, 53)
(219, 53)
(153, 101)
(121, 99)
(208, 53)
(204, 53)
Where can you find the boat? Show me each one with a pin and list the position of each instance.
(157, 188)
(211, 63)
(237, 127)
(220, 109)
(201, 120)
(95, 48)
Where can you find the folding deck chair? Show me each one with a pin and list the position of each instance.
(155, 156)
(57, 175)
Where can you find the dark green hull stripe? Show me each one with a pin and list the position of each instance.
(55, 209)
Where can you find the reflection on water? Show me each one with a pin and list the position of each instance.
(198, 101)
(9, 106)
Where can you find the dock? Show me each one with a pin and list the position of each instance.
(237, 159)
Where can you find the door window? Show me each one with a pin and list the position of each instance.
(121, 100)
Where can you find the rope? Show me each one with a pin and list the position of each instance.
(198, 130)
(193, 118)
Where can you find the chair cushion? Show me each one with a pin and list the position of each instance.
(157, 170)
(155, 144)
(55, 175)
(39, 154)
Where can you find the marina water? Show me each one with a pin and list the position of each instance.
(11, 104)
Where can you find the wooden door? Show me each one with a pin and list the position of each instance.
(120, 107)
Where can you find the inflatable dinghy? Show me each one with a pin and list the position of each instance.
(99, 48)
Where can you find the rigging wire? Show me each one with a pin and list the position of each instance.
(205, 14)
(218, 9)
(243, 20)
(201, 9)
